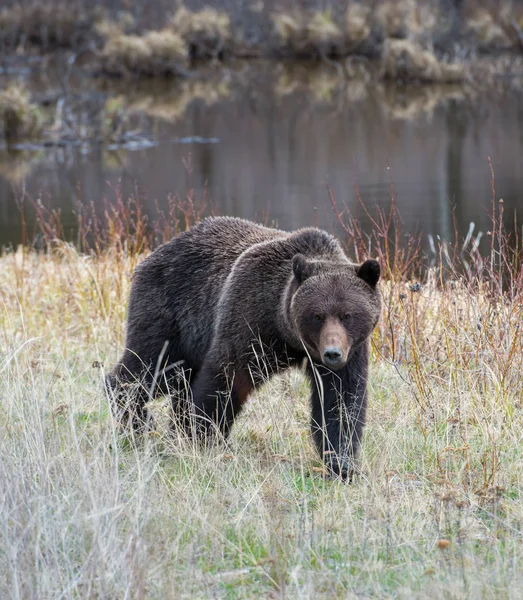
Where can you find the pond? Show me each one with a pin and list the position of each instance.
(266, 140)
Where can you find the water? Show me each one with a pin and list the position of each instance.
(267, 141)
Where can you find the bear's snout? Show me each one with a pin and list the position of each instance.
(334, 344)
(333, 355)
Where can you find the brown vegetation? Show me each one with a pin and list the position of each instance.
(368, 28)
(363, 30)
(207, 32)
(402, 26)
(156, 53)
(404, 60)
(494, 27)
(408, 19)
(358, 26)
(314, 35)
(20, 119)
(198, 35)
(46, 24)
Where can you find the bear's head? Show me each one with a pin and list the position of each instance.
(334, 308)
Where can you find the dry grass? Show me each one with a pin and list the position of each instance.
(436, 511)
(357, 24)
(404, 60)
(363, 28)
(108, 28)
(314, 35)
(367, 28)
(207, 32)
(46, 24)
(409, 19)
(156, 53)
(489, 32)
(323, 33)
(398, 33)
(20, 119)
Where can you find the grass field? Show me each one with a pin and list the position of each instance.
(436, 512)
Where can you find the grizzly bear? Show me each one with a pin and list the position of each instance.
(228, 303)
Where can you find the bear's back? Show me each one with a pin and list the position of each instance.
(180, 284)
(209, 248)
(229, 236)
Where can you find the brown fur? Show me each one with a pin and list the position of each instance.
(237, 302)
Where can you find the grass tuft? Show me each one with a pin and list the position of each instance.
(323, 33)
(156, 53)
(404, 60)
(407, 19)
(20, 119)
(357, 24)
(490, 32)
(47, 25)
(313, 35)
(206, 32)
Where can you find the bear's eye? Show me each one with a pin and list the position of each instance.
(318, 318)
(346, 317)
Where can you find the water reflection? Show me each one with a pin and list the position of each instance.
(282, 134)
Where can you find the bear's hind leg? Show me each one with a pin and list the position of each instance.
(218, 397)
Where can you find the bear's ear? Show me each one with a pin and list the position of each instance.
(369, 271)
(301, 267)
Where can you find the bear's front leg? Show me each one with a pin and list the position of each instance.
(339, 405)
(218, 397)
